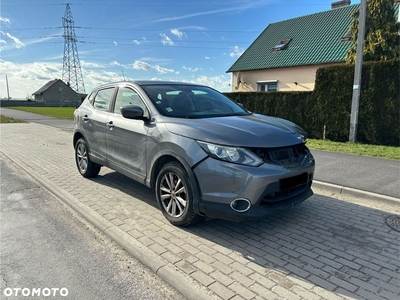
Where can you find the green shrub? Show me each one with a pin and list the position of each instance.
(330, 104)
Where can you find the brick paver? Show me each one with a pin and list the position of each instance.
(323, 249)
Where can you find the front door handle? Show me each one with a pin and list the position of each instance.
(110, 125)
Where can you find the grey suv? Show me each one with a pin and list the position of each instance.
(202, 153)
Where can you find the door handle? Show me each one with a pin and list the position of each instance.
(110, 125)
(85, 118)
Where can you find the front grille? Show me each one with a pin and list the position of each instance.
(288, 157)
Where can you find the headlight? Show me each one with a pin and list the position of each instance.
(231, 154)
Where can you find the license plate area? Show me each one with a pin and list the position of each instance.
(291, 182)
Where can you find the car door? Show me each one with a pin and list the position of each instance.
(94, 123)
(126, 138)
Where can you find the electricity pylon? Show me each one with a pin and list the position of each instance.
(72, 72)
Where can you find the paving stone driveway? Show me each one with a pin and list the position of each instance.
(323, 249)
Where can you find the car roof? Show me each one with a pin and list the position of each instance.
(147, 83)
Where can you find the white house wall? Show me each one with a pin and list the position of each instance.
(286, 78)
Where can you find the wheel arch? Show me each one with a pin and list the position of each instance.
(167, 157)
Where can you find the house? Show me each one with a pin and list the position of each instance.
(287, 54)
(56, 91)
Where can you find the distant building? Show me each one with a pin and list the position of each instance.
(56, 91)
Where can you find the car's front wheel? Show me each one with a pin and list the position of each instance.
(86, 167)
(174, 193)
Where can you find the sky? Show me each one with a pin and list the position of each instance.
(190, 41)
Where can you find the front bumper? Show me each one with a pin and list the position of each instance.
(269, 188)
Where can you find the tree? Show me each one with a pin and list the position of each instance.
(382, 40)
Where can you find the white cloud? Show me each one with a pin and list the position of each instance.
(17, 43)
(88, 64)
(229, 8)
(220, 83)
(136, 42)
(115, 43)
(5, 20)
(236, 51)
(166, 40)
(207, 57)
(162, 70)
(190, 69)
(141, 65)
(178, 33)
(155, 79)
(115, 63)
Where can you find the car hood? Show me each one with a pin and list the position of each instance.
(251, 130)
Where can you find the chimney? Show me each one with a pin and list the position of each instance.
(340, 3)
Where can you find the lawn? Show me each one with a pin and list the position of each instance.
(4, 119)
(356, 148)
(56, 112)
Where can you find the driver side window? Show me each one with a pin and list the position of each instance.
(126, 96)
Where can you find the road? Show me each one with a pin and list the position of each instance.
(45, 244)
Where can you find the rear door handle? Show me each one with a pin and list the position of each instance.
(85, 118)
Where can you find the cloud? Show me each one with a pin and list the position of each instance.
(115, 43)
(141, 65)
(87, 64)
(220, 82)
(162, 70)
(179, 34)
(5, 20)
(190, 69)
(206, 57)
(231, 8)
(136, 42)
(166, 40)
(17, 43)
(236, 51)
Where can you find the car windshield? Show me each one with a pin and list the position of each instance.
(190, 101)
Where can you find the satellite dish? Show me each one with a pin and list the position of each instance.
(238, 79)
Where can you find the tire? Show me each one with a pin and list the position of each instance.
(174, 193)
(86, 167)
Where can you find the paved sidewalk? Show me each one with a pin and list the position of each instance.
(350, 176)
(324, 248)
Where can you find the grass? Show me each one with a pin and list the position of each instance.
(56, 112)
(4, 119)
(388, 152)
(350, 148)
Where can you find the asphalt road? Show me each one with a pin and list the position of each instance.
(44, 244)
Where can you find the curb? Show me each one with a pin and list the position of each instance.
(354, 195)
(147, 257)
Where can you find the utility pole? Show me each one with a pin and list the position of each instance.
(357, 72)
(8, 92)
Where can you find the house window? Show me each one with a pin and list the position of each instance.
(281, 45)
(267, 86)
(347, 37)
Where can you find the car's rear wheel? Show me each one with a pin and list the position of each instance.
(86, 167)
(174, 193)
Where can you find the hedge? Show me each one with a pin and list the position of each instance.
(330, 104)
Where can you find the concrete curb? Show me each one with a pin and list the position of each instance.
(147, 257)
(354, 195)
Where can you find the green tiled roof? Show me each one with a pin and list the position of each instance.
(315, 39)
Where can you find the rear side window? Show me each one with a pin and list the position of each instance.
(103, 99)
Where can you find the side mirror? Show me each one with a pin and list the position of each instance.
(133, 112)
